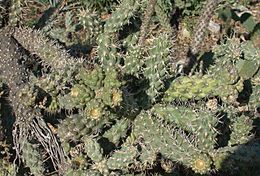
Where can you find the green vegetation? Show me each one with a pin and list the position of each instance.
(129, 87)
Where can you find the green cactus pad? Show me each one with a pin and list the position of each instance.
(174, 145)
(122, 158)
(197, 87)
(156, 65)
(93, 149)
(241, 130)
(118, 131)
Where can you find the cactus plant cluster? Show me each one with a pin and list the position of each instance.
(124, 88)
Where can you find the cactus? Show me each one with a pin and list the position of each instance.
(156, 65)
(78, 127)
(190, 120)
(241, 128)
(107, 47)
(95, 88)
(123, 158)
(94, 109)
(93, 79)
(50, 53)
(33, 159)
(93, 150)
(78, 97)
(175, 146)
(203, 22)
(118, 131)
(198, 87)
(255, 96)
(90, 22)
(133, 60)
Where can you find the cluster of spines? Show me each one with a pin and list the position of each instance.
(106, 41)
(123, 158)
(156, 65)
(132, 59)
(163, 10)
(37, 43)
(200, 123)
(118, 131)
(89, 20)
(175, 144)
(203, 22)
(241, 128)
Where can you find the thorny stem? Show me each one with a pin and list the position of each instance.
(148, 14)
(202, 24)
(200, 31)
